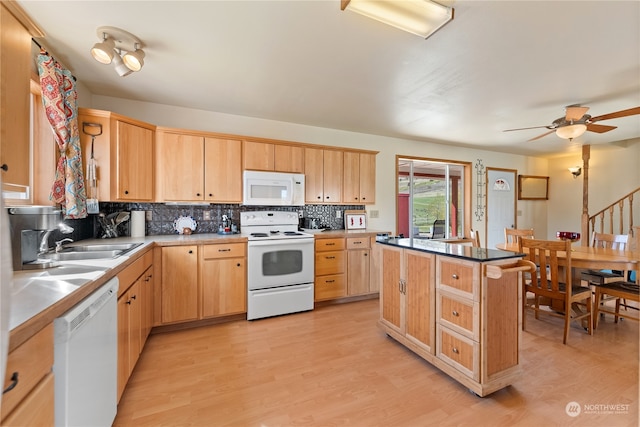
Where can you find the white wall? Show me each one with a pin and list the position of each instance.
(533, 213)
(614, 171)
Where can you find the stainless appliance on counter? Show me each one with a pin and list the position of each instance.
(30, 229)
(280, 264)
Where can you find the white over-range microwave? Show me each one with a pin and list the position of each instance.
(273, 189)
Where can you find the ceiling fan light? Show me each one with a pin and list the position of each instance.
(420, 17)
(571, 131)
(103, 51)
(134, 60)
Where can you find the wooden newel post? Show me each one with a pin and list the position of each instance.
(584, 231)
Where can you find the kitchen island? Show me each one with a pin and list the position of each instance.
(456, 306)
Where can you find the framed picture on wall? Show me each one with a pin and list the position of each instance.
(531, 187)
(355, 220)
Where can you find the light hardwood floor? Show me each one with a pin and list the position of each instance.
(333, 366)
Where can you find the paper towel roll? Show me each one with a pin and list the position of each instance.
(137, 223)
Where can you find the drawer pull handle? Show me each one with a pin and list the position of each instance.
(455, 276)
(224, 250)
(329, 281)
(455, 350)
(455, 313)
(331, 244)
(357, 243)
(330, 257)
(14, 383)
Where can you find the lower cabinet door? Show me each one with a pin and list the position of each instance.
(179, 283)
(37, 409)
(224, 287)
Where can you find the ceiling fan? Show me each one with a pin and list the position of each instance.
(576, 121)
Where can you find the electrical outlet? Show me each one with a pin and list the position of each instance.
(338, 214)
(148, 216)
(374, 214)
(206, 216)
(300, 213)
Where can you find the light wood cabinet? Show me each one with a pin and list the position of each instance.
(265, 156)
(124, 154)
(15, 45)
(358, 266)
(330, 274)
(224, 279)
(204, 281)
(29, 369)
(179, 284)
(135, 315)
(454, 314)
(359, 178)
(196, 167)
(323, 175)
(407, 295)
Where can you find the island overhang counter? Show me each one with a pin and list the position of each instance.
(456, 306)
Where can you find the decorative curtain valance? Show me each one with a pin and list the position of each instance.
(59, 98)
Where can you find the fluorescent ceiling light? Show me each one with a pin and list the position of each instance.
(420, 17)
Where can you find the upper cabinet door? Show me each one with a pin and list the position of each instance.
(134, 162)
(258, 156)
(223, 170)
(333, 165)
(289, 158)
(351, 178)
(314, 175)
(367, 178)
(181, 167)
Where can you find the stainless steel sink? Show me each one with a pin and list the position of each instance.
(102, 247)
(65, 270)
(80, 255)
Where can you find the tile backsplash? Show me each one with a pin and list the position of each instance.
(164, 215)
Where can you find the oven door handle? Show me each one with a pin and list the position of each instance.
(304, 241)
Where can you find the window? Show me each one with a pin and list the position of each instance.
(430, 190)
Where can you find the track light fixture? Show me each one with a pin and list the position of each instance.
(120, 47)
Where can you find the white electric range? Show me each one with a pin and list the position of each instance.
(280, 264)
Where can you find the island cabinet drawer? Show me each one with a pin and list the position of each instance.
(459, 277)
(458, 351)
(29, 363)
(358, 243)
(329, 244)
(229, 250)
(461, 315)
(330, 263)
(330, 287)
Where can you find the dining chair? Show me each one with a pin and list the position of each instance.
(437, 231)
(475, 238)
(601, 277)
(618, 290)
(553, 282)
(513, 235)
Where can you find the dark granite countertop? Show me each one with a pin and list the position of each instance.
(451, 249)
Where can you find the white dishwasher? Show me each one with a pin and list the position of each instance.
(85, 360)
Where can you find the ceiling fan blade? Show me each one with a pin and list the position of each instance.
(617, 114)
(540, 136)
(599, 128)
(534, 127)
(575, 112)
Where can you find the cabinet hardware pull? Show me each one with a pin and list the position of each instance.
(198, 194)
(146, 279)
(364, 198)
(366, 254)
(14, 383)
(327, 197)
(330, 257)
(238, 264)
(357, 243)
(134, 297)
(126, 191)
(190, 252)
(224, 250)
(329, 281)
(319, 197)
(455, 276)
(455, 313)
(210, 195)
(455, 350)
(128, 302)
(4, 167)
(331, 244)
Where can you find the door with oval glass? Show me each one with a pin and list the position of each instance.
(501, 204)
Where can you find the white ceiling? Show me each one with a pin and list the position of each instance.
(497, 65)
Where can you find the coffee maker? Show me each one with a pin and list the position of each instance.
(30, 229)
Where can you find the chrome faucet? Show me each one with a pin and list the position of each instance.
(44, 242)
(61, 242)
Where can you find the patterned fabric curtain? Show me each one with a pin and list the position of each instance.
(59, 98)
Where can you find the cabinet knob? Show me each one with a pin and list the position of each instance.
(5, 168)
(198, 194)
(239, 265)
(364, 198)
(210, 195)
(126, 191)
(319, 197)
(455, 350)
(327, 197)
(190, 251)
(366, 254)
(455, 276)
(455, 313)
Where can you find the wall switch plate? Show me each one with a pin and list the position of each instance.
(300, 213)
(206, 216)
(374, 214)
(148, 216)
(338, 214)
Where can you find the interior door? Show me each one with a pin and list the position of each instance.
(501, 204)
